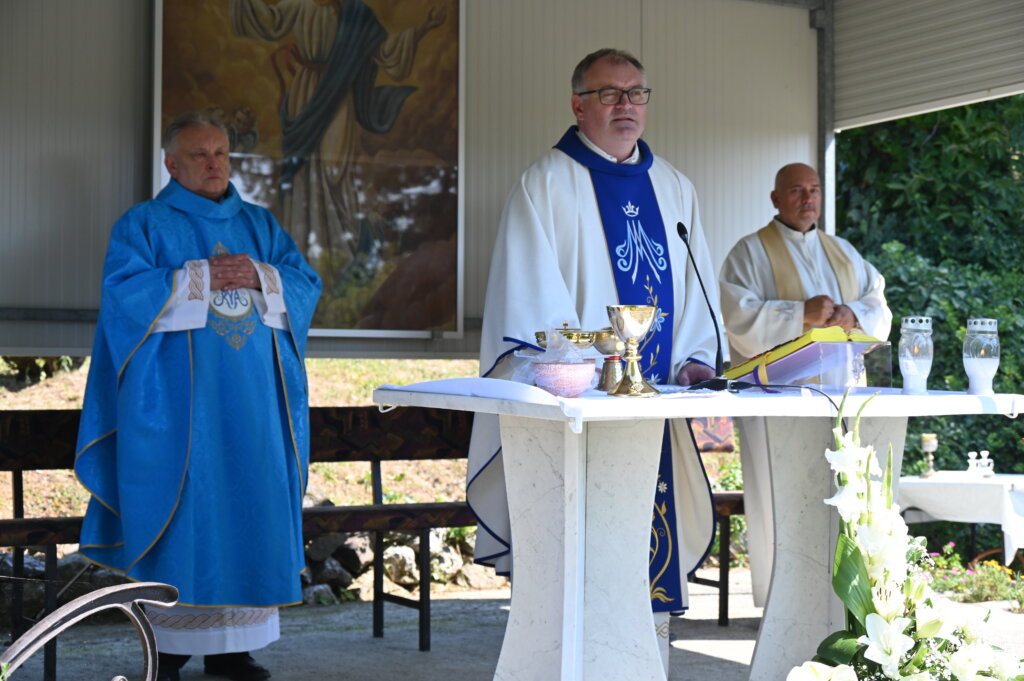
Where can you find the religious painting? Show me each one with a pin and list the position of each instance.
(343, 119)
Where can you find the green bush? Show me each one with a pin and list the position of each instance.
(936, 202)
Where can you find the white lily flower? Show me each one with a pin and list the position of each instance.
(816, 671)
(847, 502)
(971, 659)
(886, 643)
(888, 601)
(850, 460)
(920, 676)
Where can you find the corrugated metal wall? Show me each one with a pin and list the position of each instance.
(74, 150)
(735, 97)
(903, 58)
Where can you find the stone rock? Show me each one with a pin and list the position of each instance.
(400, 565)
(323, 546)
(362, 586)
(356, 553)
(332, 573)
(100, 578)
(445, 563)
(476, 576)
(73, 566)
(35, 564)
(319, 594)
(438, 538)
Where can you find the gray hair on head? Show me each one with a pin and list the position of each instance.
(579, 74)
(187, 120)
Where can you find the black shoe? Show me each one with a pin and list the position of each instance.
(167, 666)
(235, 666)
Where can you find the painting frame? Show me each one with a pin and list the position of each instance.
(447, 235)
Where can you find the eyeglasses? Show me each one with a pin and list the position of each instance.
(613, 95)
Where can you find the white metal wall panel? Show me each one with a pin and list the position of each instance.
(734, 99)
(73, 140)
(896, 58)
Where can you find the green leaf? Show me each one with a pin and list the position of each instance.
(839, 648)
(850, 579)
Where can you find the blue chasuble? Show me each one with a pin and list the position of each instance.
(194, 444)
(638, 250)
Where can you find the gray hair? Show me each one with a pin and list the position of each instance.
(579, 74)
(188, 120)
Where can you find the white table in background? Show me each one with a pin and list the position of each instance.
(963, 497)
(581, 475)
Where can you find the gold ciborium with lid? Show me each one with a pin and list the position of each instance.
(631, 323)
(578, 337)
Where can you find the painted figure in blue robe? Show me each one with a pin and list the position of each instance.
(194, 441)
(329, 93)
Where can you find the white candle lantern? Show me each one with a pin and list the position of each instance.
(915, 353)
(981, 354)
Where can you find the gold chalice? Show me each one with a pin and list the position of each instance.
(581, 339)
(631, 323)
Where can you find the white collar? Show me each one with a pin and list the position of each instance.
(632, 160)
(795, 234)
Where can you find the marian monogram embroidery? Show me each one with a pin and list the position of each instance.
(232, 312)
(638, 247)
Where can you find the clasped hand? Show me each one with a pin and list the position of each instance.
(823, 311)
(229, 272)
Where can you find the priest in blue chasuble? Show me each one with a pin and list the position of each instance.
(593, 223)
(194, 441)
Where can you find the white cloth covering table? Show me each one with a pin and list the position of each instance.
(581, 475)
(963, 497)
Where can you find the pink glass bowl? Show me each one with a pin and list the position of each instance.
(564, 379)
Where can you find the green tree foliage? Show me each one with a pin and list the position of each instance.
(945, 184)
(936, 202)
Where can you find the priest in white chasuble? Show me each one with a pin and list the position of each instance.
(593, 222)
(775, 284)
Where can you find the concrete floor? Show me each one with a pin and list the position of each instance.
(335, 642)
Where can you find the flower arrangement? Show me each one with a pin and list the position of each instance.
(896, 627)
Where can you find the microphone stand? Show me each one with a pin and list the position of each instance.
(719, 382)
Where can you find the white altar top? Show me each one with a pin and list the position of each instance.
(497, 396)
(963, 497)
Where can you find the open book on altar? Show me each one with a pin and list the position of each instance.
(824, 356)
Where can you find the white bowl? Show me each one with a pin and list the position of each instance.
(563, 378)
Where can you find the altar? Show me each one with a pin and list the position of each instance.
(581, 475)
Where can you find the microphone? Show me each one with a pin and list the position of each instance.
(718, 382)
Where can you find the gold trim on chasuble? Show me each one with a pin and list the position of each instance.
(288, 407)
(660, 530)
(188, 456)
(659, 318)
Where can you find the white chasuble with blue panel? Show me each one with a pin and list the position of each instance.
(638, 250)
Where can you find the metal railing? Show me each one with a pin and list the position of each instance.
(128, 598)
